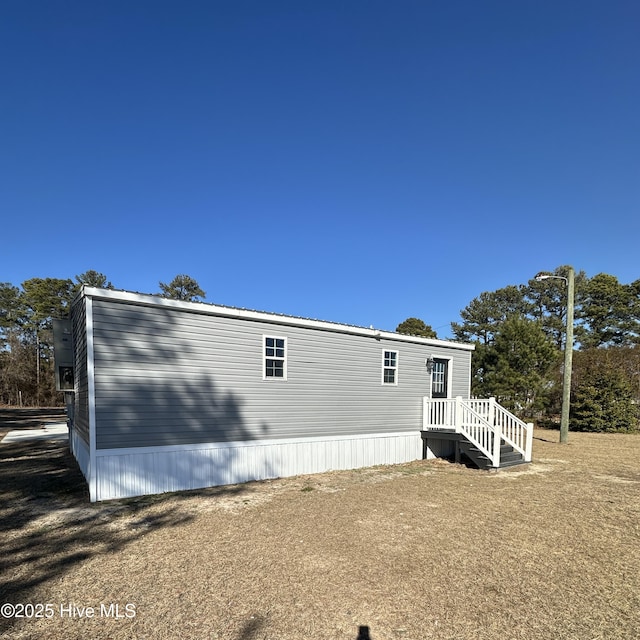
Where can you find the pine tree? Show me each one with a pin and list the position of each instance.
(416, 327)
(94, 279)
(515, 368)
(603, 397)
(182, 287)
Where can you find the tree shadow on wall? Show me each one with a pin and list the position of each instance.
(186, 413)
(171, 378)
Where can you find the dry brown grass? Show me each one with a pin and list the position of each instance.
(427, 550)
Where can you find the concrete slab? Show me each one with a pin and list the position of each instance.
(50, 431)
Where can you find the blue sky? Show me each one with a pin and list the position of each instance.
(353, 161)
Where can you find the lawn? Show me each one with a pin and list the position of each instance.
(415, 551)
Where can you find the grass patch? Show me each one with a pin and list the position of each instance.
(427, 550)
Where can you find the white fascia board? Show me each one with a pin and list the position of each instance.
(91, 475)
(263, 316)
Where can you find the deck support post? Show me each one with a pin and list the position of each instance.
(497, 432)
(529, 442)
(457, 419)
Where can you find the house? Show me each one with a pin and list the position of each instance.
(171, 395)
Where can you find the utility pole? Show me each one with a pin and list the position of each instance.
(37, 368)
(568, 358)
(568, 350)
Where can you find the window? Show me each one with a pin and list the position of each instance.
(389, 367)
(275, 358)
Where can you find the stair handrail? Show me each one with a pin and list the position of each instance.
(489, 449)
(513, 430)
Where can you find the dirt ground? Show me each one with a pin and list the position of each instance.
(426, 550)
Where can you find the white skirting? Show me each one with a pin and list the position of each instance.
(122, 473)
(80, 450)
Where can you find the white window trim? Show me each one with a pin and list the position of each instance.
(396, 369)
(264, 357)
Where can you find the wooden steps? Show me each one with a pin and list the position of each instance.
(509, 457)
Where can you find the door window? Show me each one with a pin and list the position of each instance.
(440, 378)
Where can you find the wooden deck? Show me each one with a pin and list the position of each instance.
(481, 431)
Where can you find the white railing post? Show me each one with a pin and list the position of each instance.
(529, 444)
(491, 418)
(457, 419)
(497, 432)
(425, 409)
(497, 436)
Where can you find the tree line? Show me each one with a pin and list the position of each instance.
(26, 336)
(519, 333)
(520, 330)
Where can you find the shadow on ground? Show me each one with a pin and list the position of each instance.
(47, 524)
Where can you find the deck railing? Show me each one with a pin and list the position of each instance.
(481, 421)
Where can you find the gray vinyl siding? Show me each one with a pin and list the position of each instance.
(168, 376)
(81, 380)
